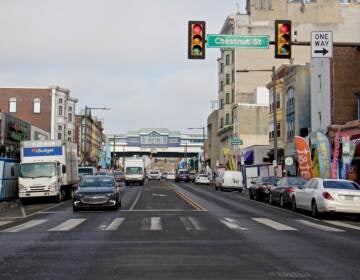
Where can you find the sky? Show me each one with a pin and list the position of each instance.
(129, 56)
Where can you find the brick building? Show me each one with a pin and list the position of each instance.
(51, 109)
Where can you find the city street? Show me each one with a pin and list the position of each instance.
(178, 231)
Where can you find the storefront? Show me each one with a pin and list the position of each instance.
(12, 131)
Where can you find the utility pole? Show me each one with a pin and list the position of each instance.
(275, 121)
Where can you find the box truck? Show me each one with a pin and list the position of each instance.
(134, 169)
(47, 169)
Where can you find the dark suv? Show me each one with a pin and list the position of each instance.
(182, 176)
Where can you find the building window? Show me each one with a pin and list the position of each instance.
(221, 103)
(70, 117)
(69, 139)
(221, 67)
(227, 59)
(69, 132)
(233, 57)
(60, 101)
(232, 96)
(227, 119)
(37, 105)
(59, 136)
(69, 109)
(59, 127)
(278, 129)
(221, 122)
(227, 79)
(227, 100)
(233, 76)
(60, 112)
(278, 101)
(12, 105)
(221, 85)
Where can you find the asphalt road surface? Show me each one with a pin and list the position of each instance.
(178, 231)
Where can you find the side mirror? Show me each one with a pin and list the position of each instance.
(300, 187)
(63, 169)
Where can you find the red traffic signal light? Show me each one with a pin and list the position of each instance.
(196, 39)
(283, 39)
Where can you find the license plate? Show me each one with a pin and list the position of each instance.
(236, 181)
(349, 198)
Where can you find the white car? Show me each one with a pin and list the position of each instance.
(328, 196)
(202, 179)
(229, 180)
(170, 176)
(154, 175)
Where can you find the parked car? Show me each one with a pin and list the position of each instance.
(154, 175)
(260, 189)
(164, 175)
(282, 193)
(328, 196)
(182, 175)
(229, 180)
(95, 192)
(170, 176)
(101, 173)
(202, 179)
(192, 176)
(119, 176)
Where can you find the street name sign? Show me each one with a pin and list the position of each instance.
(237, 41)
(321, 44)
(236, 141)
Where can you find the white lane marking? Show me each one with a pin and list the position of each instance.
(320, 227)
(196, 223)
(136, 200)
(155, 223)
(2, 223)
(342, 224)
(273, 224)
(115, 224)
(27, 225)
(232, 224)
(22, 211)
(67, 225)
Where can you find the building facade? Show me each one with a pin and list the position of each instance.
(51, 109)
(213, 143)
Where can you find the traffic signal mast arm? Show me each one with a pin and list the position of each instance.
(308, 43)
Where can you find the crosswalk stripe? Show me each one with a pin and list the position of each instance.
(27, 225)
(2, 223)
(191, 223)
(115, 224)
(320, 227)
(232, 224)
(153, 223)
(67, 225)
(345, 225)
(273, 224)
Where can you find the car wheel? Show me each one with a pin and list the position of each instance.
(75, 209)
(256, 197)
(314, 209)
(251, 196)
(293, 204)
(271, 199)
(282, 204)
(240, 190)
(216, 188)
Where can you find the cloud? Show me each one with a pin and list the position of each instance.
(127, 55)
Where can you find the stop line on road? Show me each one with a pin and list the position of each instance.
(188, 223)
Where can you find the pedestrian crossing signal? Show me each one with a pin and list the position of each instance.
(283, 39)
(196, 39)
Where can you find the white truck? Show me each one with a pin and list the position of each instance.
(134, 169)
(47, 169)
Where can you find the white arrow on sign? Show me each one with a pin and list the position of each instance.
(321, 44)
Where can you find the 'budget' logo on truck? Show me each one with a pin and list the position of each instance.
(42, 151)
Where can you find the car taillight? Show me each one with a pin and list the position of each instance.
(328, 196)
(290, 190)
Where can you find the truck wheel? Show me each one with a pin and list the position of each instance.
(60, 196)
(23, 201)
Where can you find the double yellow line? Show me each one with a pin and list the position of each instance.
(190, 201)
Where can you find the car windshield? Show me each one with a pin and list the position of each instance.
(97, 182)
(133, 170)
(35, 170)
(203, 175)
(86, 171)
(183, 172)
(296, 181)
(270, 180)
(117, 173)
(344, 185)
(154, 173)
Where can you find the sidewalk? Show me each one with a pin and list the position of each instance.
(5, 205)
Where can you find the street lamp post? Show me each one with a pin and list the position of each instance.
(203, 132)
(84, 135)
(272, 70)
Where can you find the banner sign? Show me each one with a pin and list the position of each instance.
(42, 151)
(322, 144)
(334, 166)
(304, 157)
(348, 151)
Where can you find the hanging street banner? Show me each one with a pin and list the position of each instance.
(334, 166)
(304, 157)
(320, 141)
(237, 41)
(348, 151)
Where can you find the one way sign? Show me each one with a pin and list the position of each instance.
(321, 44)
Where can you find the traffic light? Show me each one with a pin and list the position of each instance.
(196, 39)
(283, 39)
